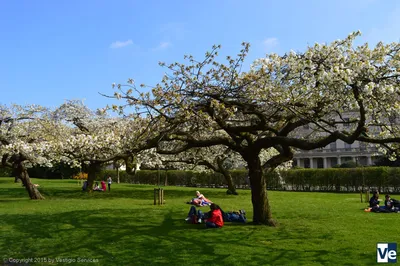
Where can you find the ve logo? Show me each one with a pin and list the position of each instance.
(386, 253)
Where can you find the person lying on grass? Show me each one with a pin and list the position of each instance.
(200, 200)
(197, 216)
(392, 205)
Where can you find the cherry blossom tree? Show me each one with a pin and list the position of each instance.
(25, 134)
(93, 138)
(206, 103)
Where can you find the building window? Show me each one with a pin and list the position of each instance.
(333, 146)
(334, 161)
(306, 163)
(320, 163)
(363, 146)
(346, 159)
(347, 147)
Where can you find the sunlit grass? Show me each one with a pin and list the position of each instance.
(123, 227)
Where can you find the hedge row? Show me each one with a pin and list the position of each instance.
(5, 172)
(177, 178)
(59, 171)
(332, 179)
(350, 179)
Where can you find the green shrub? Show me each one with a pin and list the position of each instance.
(58, 171)
(298, 179)
(343, 179)
(5, 172)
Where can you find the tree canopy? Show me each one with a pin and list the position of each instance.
(340, 91)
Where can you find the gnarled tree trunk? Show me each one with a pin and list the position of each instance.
(22, 173)
(116, 166)
(93, 169)
(228, 177)
(259, 197)
(130, 164)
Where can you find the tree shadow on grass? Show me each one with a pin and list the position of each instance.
(151, 237)
(113, 236)
(17, 192)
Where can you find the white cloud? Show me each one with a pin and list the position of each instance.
(162, 46)
(270, 43)
(119, 44)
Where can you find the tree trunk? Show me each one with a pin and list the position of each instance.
(231, 186)
(228, 178)
(261, 209)
(130, 164)
(117, 175)
(17, 179)
(93, 169)
(22, 173)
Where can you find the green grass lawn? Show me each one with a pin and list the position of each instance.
(123, 227)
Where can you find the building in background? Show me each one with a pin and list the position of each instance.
(337, 153)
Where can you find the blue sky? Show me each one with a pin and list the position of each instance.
(51, 51)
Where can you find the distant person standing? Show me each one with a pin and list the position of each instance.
(85, 185)
(109, 181)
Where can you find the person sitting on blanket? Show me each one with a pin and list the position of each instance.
(200, 200)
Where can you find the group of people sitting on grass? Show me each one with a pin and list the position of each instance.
(216, 217)
(96, 186)
(391, 205)
(102, 188)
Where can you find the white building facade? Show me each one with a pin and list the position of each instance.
(337, 153)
